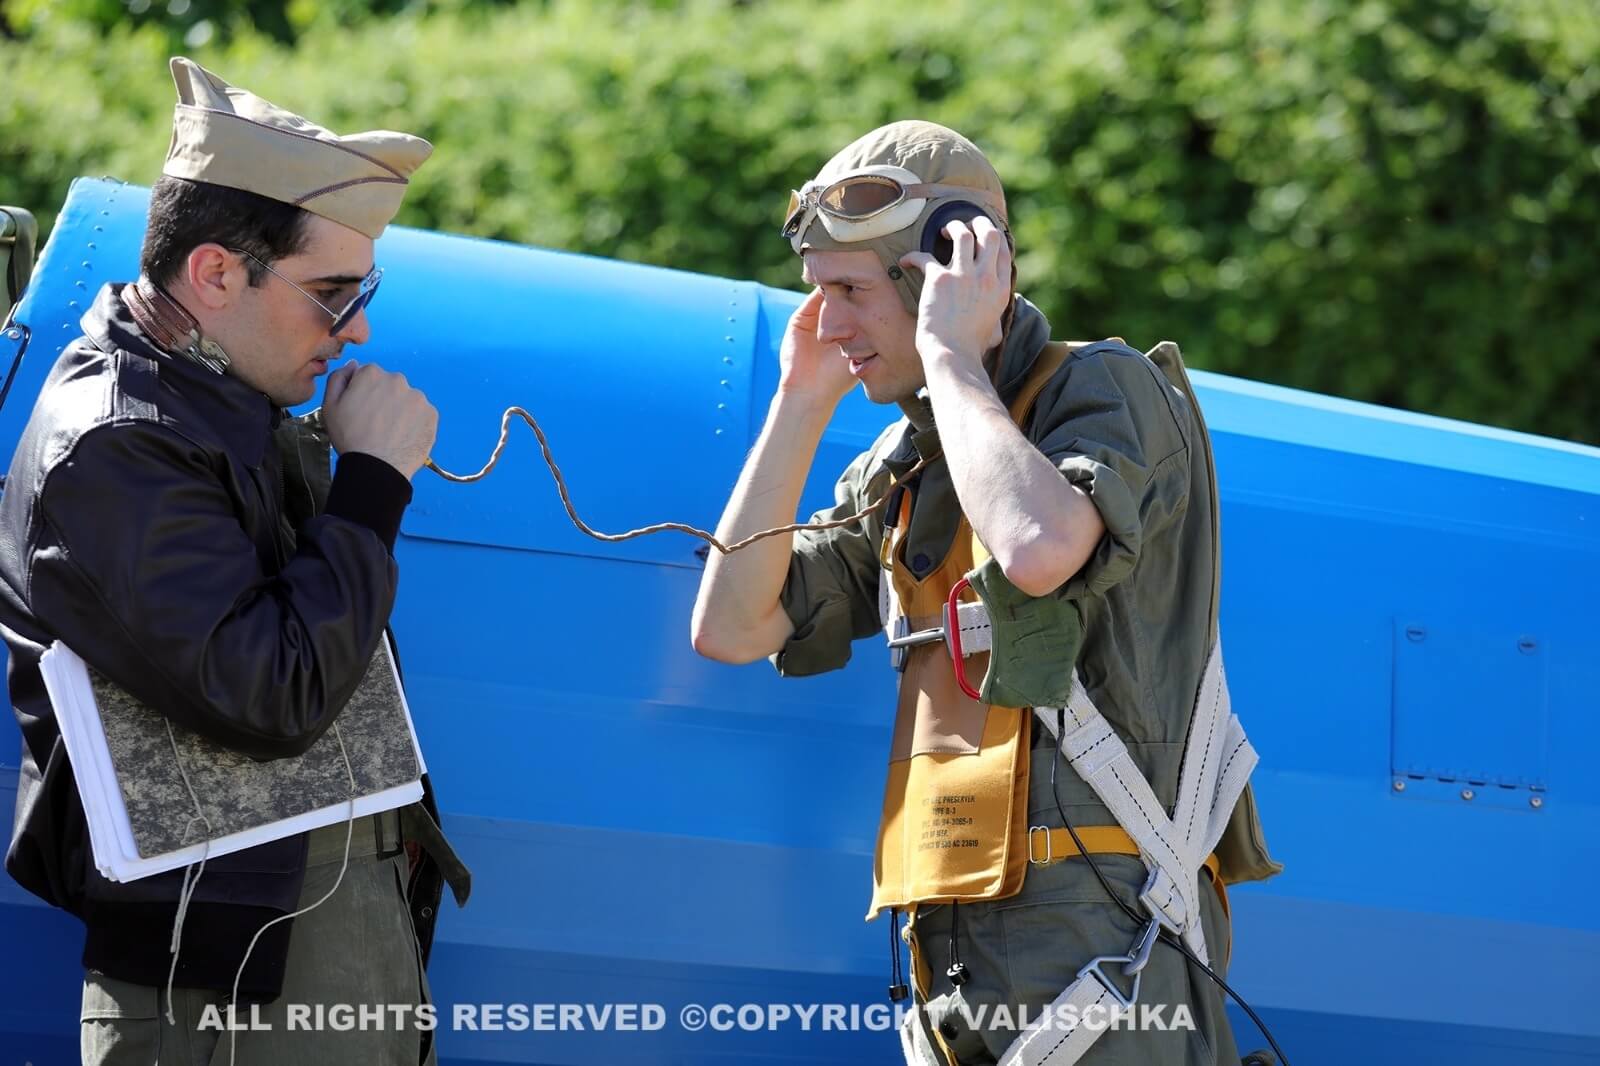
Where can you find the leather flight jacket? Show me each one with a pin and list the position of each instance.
(180, 533)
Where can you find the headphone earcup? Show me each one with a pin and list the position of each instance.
(934, 241)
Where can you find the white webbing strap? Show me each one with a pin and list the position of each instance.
(1101, 758)
(977, 632)
(1062, 1034)
(1066, 1029)
(914, 1042)
(1217, 760)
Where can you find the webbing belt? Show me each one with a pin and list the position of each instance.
(372, 836)
(1048, 845)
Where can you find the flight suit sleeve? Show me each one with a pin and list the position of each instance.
(831, 593)
(1109, 426)
(1106, 423)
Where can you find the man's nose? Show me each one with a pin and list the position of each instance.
(357, 330)
(834, 324)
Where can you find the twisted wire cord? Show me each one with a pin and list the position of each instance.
(659, 527)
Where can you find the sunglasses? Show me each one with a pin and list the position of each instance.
(342, 317)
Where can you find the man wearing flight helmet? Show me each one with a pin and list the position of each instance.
(1070, 488)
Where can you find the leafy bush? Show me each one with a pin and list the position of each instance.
(1394, 200)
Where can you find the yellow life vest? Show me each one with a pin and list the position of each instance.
(954, 822)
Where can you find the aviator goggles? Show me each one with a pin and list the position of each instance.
(871, 202)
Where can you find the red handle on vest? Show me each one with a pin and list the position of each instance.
(952, 631)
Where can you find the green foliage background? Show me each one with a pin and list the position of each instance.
(1392, 200)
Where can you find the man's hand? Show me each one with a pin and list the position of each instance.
(1039, 528)
(962, 304)
(811, 369)
(368, 409)
(737, 614)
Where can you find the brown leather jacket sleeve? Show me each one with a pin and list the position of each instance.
(142, 565)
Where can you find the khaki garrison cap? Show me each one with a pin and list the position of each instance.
(226, 136)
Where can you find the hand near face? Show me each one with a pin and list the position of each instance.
(368, 409)
(811, 368)
(962, 304)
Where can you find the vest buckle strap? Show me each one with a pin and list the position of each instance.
(964, 630)
(1034, 858)
(904, 640)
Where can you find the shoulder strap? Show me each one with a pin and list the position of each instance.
(1051, 358)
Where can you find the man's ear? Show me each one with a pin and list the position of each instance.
(215, 276)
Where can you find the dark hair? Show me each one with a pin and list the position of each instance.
(186, 214)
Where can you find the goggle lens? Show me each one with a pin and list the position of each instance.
(862, 196)
(796, 212)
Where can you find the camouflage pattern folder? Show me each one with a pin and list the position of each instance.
(142, 817)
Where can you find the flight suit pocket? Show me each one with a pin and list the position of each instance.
(108, 998)
(1036, 640)
(1047, 942)
(119, 1023)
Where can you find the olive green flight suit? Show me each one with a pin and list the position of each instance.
(1138, 618)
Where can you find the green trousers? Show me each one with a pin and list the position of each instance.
(357, 949)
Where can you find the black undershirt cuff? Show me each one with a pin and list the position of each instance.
(368, 491)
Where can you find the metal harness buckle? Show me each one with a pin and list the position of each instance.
(1049, 856)
(1133, 964)
(904, 640)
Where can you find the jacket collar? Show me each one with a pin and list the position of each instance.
(235, 411)
(1029, 333)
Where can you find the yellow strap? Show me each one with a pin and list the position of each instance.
(1046, 846)
(1050, 359)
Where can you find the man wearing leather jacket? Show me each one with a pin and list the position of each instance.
(166, 519)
